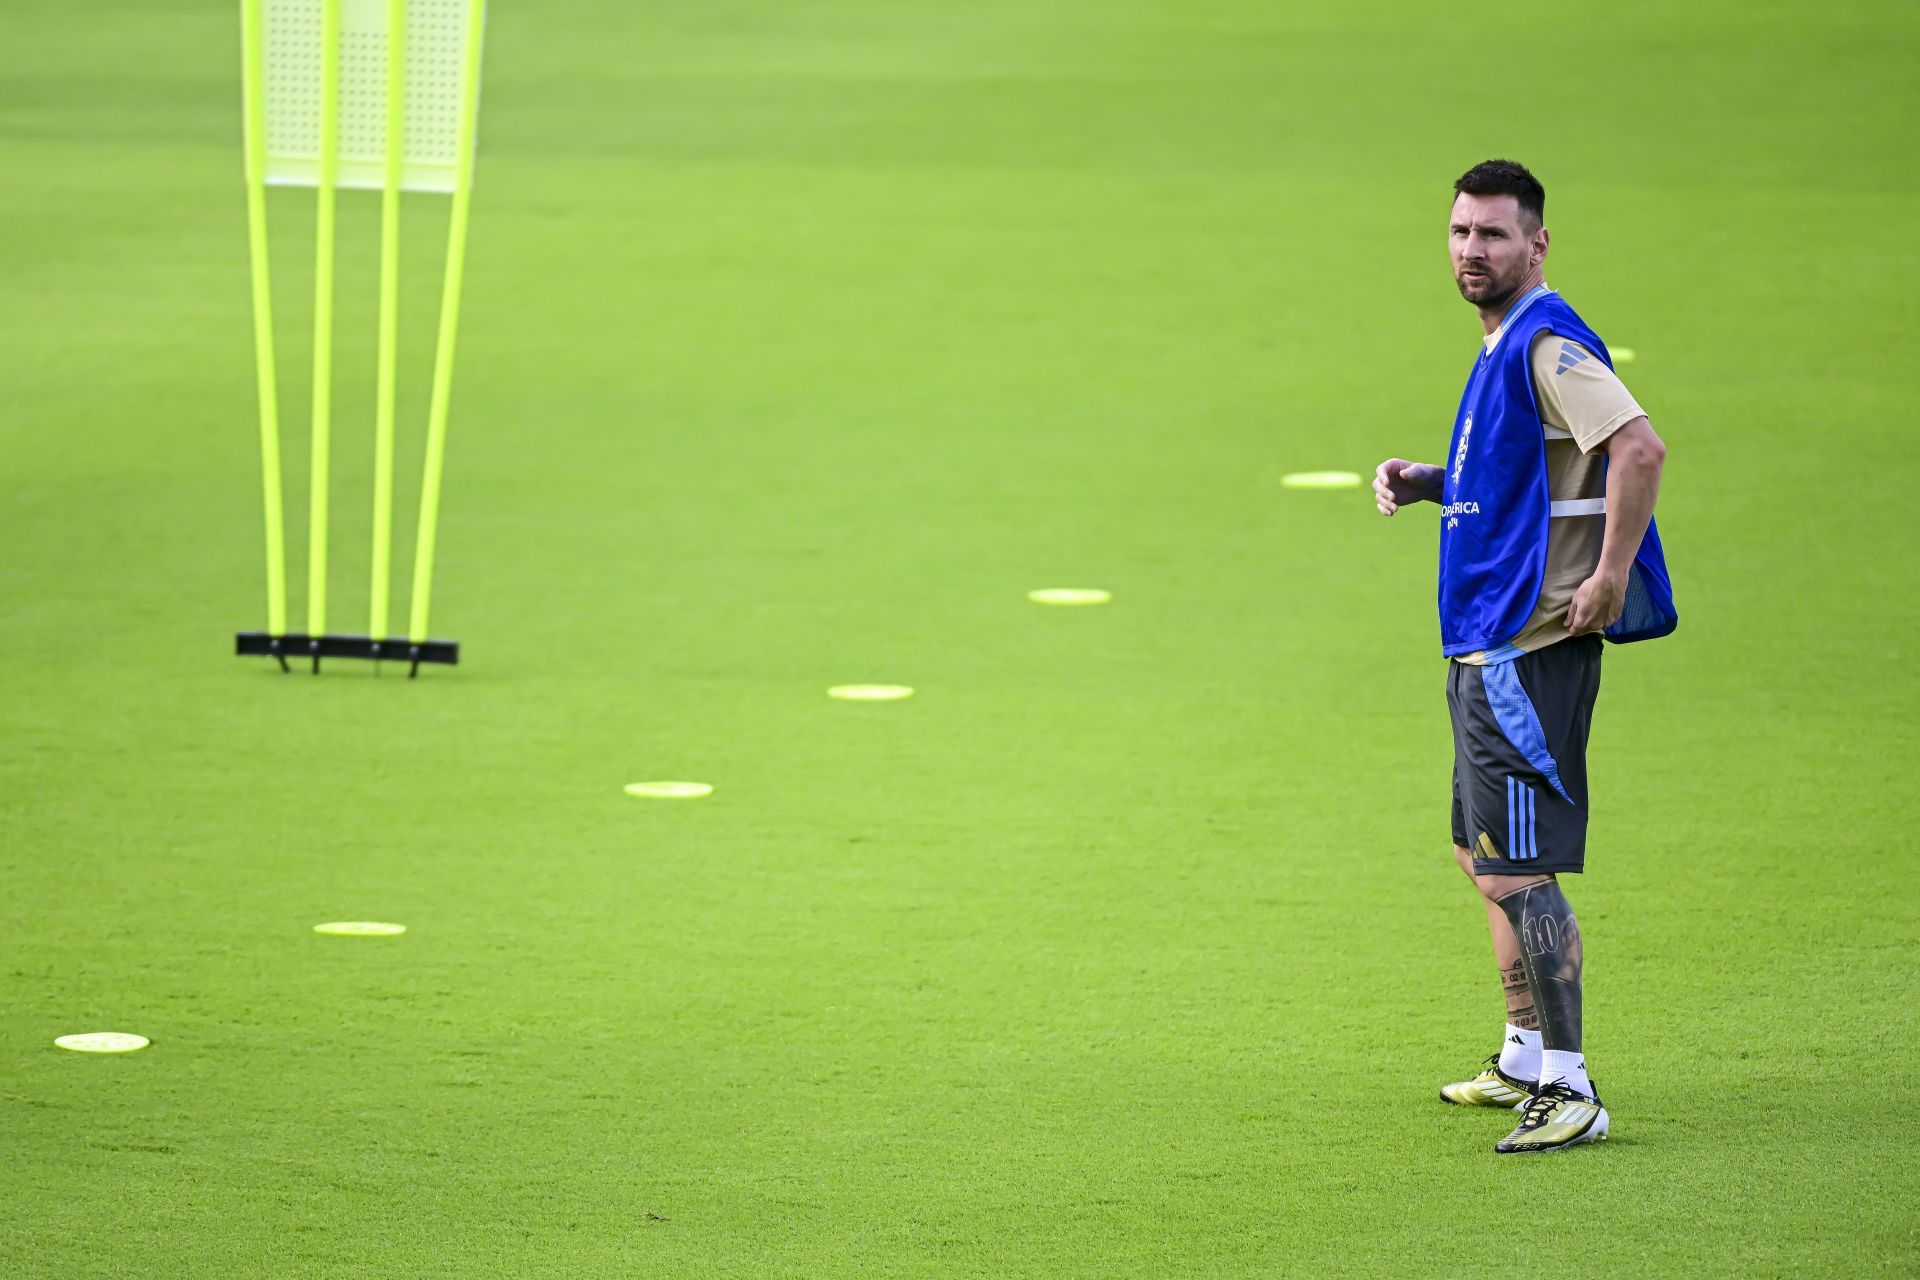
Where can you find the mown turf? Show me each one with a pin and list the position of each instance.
(801, 342)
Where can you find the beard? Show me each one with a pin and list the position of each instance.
(1492, 292)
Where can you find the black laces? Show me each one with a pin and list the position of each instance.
(1545, 1100)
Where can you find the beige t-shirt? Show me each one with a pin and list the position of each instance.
(1582, 403)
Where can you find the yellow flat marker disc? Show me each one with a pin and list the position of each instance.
(1070, 595)
(670, 790)
(1622, 355)
(1321, 480)
(871, 692)
(360, 929)
(103, 1042)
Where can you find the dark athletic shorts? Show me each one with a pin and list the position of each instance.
(1520, 758)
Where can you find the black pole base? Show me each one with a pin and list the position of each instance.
(392, 649)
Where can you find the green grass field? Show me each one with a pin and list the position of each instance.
(800, 342)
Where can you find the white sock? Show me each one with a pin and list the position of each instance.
(1520, 1053)
(1569, 1066)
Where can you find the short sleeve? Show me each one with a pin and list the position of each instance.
(1578, 393)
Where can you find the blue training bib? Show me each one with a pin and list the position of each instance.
(1494, 507)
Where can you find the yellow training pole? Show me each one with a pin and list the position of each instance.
(253, 80)
(449, 319)
(323, 316)
(389, 319)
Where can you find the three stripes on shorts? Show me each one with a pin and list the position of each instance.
(1521, 842)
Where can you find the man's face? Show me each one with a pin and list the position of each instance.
(1493, 246)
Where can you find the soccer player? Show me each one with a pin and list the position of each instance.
(1546, 542)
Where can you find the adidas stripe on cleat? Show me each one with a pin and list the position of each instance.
(1555, 1119)
(1491, 1088)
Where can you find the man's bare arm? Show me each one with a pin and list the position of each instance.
(1635, 457)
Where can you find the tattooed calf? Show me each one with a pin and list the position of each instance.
(1520, 1012)
(1550, 952)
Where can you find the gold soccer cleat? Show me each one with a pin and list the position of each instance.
(1491, 1088)
(1556, 1118)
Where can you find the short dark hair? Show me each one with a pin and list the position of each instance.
(1505, 178)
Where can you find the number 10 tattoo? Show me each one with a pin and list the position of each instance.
(1550, 955)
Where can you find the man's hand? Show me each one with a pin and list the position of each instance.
(1597, 604)
(1397, 482)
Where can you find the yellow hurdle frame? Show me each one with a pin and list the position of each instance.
(280, 151)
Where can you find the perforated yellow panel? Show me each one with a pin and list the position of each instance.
(435, 36)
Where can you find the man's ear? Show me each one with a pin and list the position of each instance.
(1540, 246)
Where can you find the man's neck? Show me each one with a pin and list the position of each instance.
(1491, 320)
